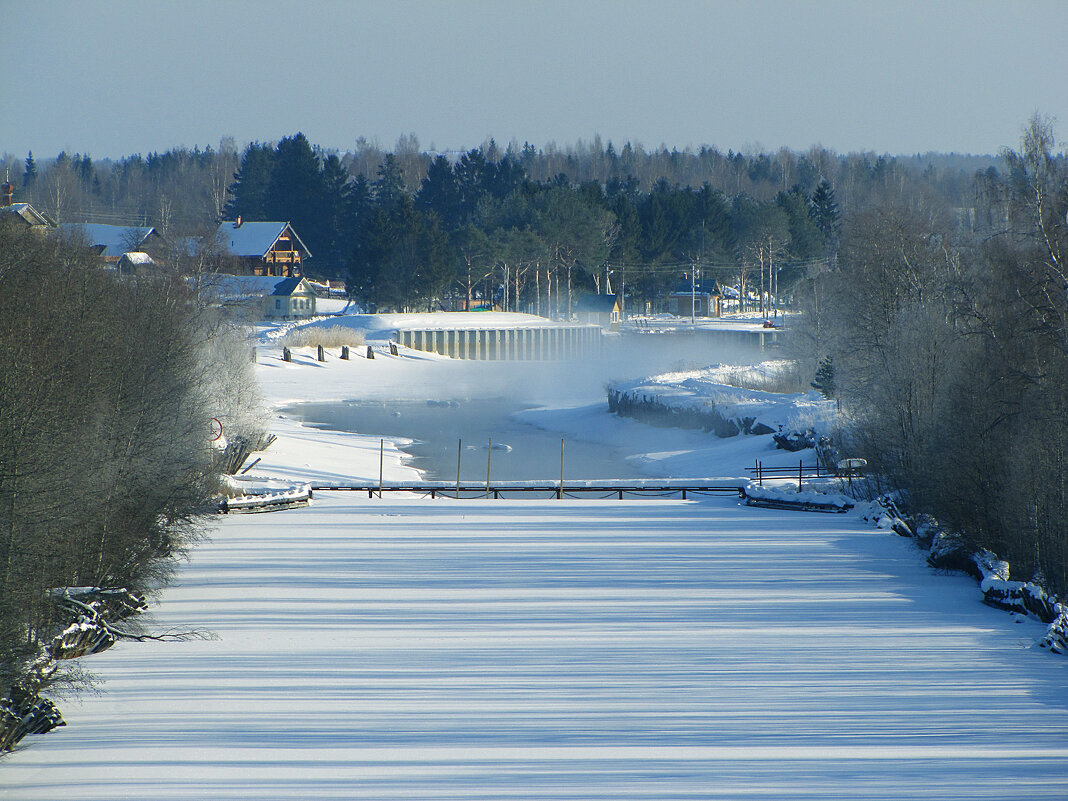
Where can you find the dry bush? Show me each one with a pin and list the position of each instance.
(782, 377)
(333, 337)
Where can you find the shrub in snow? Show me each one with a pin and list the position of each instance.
(332, 337)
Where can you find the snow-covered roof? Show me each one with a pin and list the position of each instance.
(138, 257)
(255, 238)
(26, 212)
(700, 287)
(597, 303)
(113, 239)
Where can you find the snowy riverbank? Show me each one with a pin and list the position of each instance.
(637, 649)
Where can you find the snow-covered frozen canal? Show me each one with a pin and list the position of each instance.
(645, 649)
(418, 649)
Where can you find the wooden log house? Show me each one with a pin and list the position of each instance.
(263, 248)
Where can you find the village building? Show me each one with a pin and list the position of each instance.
(28, 216)
(22, 212)
(112, 241)
(135, 261)
(264, 297)
(701, 298)
(259, 248)
(602, 310)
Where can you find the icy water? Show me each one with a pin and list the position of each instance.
(442, 430)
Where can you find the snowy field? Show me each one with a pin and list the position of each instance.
(643, 649)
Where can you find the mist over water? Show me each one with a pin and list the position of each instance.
(459, 406)
(474, 434)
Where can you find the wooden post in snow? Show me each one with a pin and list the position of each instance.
(561, 493)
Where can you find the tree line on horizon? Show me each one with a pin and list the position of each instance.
(592, 215)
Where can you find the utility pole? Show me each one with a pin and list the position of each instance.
(693, 295)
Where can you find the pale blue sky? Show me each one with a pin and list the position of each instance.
(114, 78)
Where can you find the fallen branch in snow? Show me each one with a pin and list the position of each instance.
(99, 630)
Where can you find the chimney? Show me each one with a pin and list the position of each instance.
(238, 223)
(8, 190)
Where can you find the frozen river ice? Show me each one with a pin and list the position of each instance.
(418, 649)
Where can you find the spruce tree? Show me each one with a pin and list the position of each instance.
(29, 177)
(248, 192)
(824, 382)
(824, 210)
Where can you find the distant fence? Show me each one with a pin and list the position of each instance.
(760, 471)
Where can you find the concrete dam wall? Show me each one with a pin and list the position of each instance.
(514, 343)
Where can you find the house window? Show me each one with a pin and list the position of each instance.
(278, 303)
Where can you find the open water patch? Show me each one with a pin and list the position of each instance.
(479, 434)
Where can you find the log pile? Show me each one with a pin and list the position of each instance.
(24, 712)
(92, 611)
(949, 552)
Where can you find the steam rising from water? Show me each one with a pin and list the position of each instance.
(570, 381)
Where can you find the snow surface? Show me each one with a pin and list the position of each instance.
(644, 649)
(703, 389)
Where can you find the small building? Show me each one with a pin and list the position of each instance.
(602, 310)
(135, 261)
(262, 248)
(28, 216)
(265, 297)
(703, 298)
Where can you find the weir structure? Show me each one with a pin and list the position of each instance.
(552, 341)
